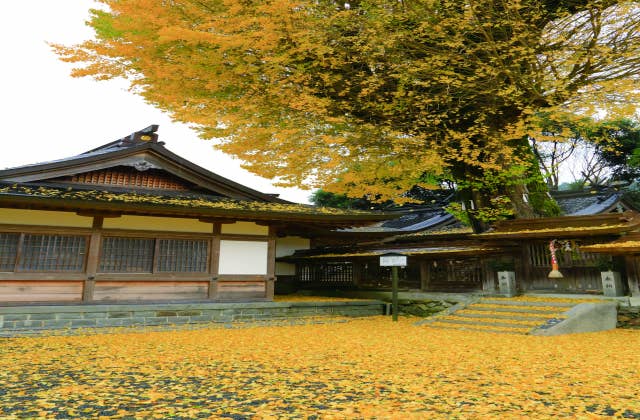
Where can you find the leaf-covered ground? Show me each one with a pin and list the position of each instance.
(363, 368)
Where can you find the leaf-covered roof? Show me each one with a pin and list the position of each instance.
(187, 205)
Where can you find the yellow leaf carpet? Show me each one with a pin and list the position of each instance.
(362, 368)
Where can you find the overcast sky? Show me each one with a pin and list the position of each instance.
(45, 114)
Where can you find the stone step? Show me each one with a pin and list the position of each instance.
(526, 303)
(477, 328)
(521, 316)
(518, 309)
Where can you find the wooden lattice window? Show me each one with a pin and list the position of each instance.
(338, 272)
(182, 255)
(127, 255)
(52, 253)
(540, 256)
(8, 250)
(305, 273)
(326, 273)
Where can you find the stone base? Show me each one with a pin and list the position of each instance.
(20, 320)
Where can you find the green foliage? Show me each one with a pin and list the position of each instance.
(618, 143)
(459, 213)
(323, 198)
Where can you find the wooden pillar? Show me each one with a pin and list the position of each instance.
(425, 275)
(524, 269)
(633, 275)
(488, 277)
(271, 263)
(214, 262)
(93, 259)
(357, 273)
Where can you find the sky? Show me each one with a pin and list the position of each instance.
(46, 114)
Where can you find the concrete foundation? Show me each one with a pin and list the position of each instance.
(32, 319)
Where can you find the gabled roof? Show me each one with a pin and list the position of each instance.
(202, 194)
(141, 150)
(590, 202)
(414, 218)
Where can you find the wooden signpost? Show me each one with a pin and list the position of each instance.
(394, 261)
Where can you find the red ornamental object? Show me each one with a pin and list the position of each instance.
(555, 272)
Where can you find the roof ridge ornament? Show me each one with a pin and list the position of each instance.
(146, 135)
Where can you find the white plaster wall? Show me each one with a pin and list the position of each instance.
(244, 228)
(287, 246)
(243, 257)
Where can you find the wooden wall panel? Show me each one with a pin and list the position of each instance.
(40, 291)
(241, 290)
(137, 291)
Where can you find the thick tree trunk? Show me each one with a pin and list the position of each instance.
(528, 194)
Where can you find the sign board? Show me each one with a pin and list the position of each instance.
(393, 260)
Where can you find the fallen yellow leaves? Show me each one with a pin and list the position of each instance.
(363, 368)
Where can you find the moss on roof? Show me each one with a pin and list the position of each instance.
(192, 201)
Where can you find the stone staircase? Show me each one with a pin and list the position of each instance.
(506, 315)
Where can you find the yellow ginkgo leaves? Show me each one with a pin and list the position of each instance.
(365, 368)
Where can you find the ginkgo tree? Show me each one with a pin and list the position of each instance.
(373, 97)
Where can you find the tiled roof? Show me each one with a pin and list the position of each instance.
(586, 203)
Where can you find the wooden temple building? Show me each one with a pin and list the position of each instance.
(132, 221)
(596, 235)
